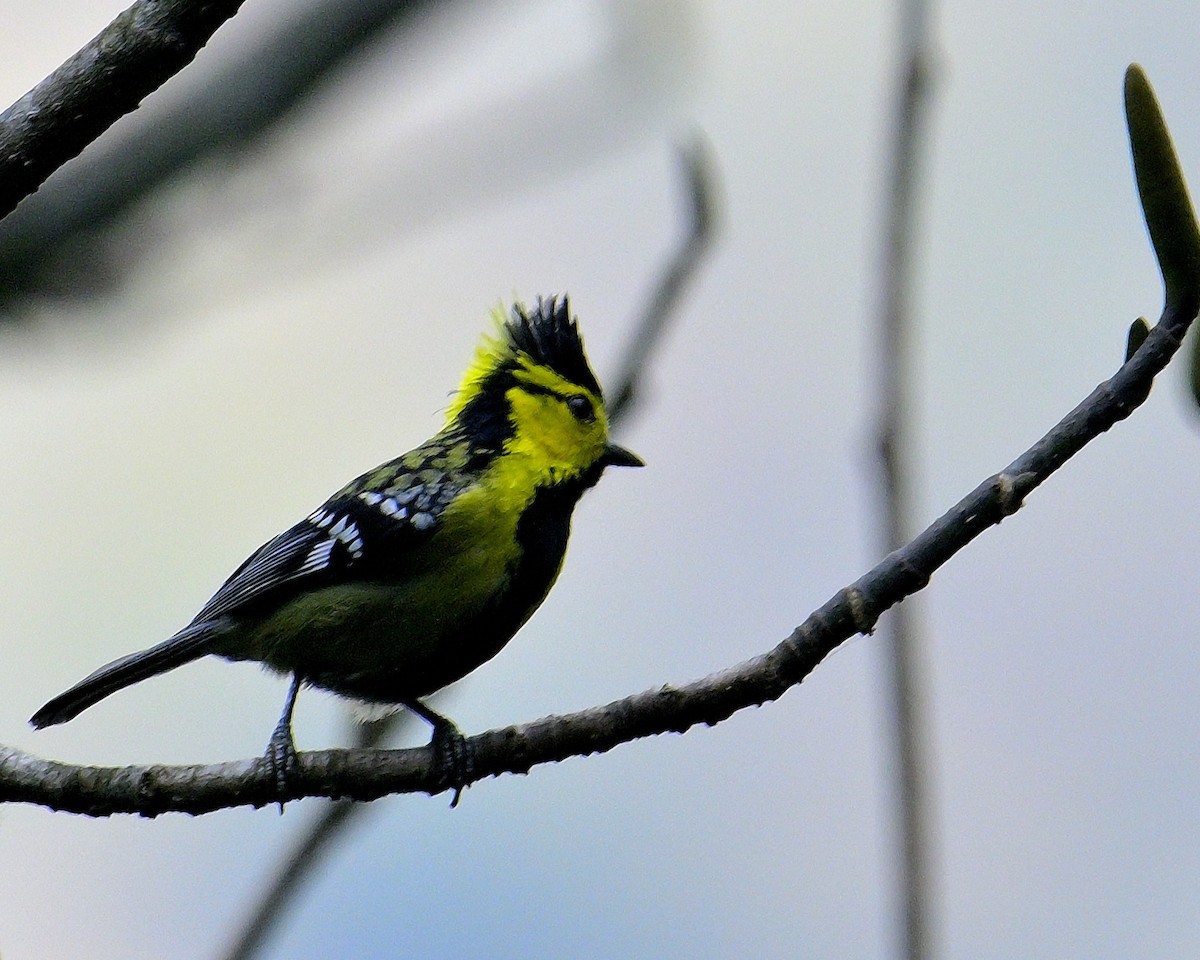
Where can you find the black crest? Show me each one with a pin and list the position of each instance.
(549, 335)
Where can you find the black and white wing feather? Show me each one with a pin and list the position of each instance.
(355, 536)
(330, 546)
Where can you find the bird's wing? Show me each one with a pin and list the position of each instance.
(344, 540)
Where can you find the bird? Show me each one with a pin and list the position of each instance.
(419, 571)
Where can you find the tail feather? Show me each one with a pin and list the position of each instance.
(190, 643)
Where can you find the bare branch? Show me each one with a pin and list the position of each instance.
(131, 58)
(297, 866)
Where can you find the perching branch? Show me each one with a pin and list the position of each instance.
(130, 58)
(368, 774)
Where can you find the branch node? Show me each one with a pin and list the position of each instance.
(1008, 498)
(862, 614)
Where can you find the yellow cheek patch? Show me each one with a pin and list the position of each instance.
(551, 435)
(543, 379)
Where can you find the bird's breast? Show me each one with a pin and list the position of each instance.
(450, 605)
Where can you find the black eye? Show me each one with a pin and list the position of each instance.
(581, 408)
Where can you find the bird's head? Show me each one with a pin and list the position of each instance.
(530, 392)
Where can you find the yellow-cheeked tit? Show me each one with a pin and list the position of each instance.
(413, 575)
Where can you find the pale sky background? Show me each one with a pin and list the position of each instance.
(304, 316)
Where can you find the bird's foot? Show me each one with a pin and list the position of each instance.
(454, 756)
(281, 759)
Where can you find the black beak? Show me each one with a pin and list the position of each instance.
(615, 456)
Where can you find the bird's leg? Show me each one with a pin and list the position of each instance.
(454, 756)
(281, 750)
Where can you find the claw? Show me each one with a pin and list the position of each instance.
(453, 754)
(281, 749)
(281, 758)
(455, 758)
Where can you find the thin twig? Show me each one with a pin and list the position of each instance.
(307, 852)
(129, 59)
(900, 634)
(673, 280)
(369, 774)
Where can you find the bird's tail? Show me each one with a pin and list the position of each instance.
(188, 644)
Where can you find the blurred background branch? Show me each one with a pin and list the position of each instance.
(94, 221)
(59, 241)
(900, 633)
(310, 848)
(699, 222)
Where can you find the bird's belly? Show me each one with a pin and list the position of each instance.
(392, 641)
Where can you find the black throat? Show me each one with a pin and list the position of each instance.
(542, 533)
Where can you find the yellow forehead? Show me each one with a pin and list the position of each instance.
(538, 375)
(496, 350)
